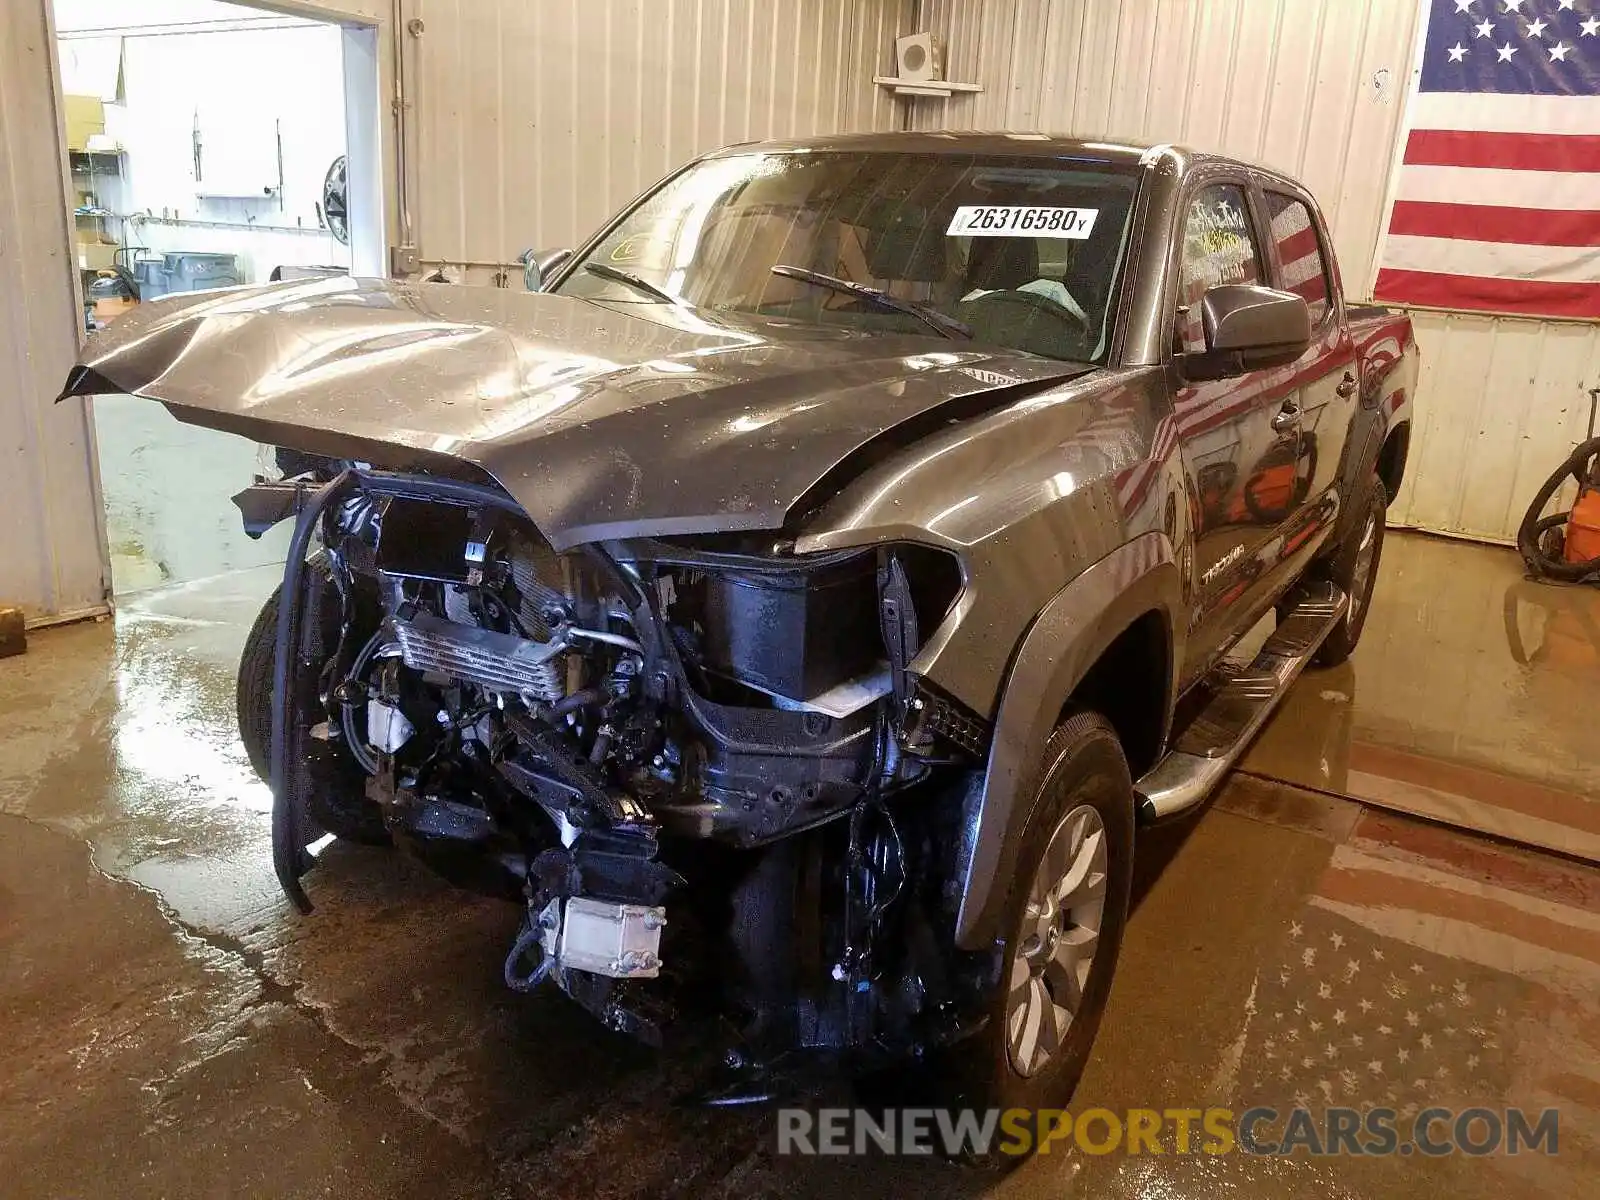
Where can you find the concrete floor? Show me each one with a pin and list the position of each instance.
(172, 1029)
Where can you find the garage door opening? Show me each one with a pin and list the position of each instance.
(207, 147)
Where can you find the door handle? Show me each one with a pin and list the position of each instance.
(1347, 386)
(1286, 418)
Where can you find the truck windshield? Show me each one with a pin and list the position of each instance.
(1012, 251)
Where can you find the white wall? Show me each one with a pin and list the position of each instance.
(1315, 88)
(51, 544)
(249, 88)
(538, 118)
(1500, 404)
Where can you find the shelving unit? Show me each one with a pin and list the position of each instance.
(941, 88)
(94, 172)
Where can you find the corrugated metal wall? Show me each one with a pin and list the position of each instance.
(1315, 88)
(51, 540)
(538, 118)
(535, 118)
(1500, 404)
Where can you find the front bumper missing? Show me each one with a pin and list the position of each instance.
(293, 828)
(589, 946)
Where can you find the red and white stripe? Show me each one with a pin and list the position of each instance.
(1296, 239)
(1497, 206)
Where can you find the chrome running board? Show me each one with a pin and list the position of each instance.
(1220, 733)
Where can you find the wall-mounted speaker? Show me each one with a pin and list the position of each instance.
(919, 57)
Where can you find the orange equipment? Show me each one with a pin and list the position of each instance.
(1582, 542)
(1566, 546)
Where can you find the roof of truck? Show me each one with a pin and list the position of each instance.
(1022, 145)
(1115, 151)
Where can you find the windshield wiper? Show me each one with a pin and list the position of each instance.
(931, 317)
(628, 278)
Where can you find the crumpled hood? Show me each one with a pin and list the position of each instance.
(601, 420)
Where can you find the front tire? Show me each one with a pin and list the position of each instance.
(353, 818)
(253, 689)
(1063, 925)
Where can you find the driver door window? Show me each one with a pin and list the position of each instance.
(1219, 246)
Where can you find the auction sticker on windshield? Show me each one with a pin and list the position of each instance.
(1009, 220)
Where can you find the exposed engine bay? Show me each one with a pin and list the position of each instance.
(677, 755)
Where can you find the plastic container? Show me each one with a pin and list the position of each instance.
(193, 271)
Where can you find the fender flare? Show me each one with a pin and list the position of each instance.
(1368, 434)
(1072, 631)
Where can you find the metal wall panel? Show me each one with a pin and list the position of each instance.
(1500, 403)
(538, 118)
(51, 538)
(1315, 88)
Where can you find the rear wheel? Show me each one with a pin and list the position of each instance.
(1354, 568)
(1063, 926)
(352, 817)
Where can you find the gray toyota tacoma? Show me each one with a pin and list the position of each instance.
(799, 596)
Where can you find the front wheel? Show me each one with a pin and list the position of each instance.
(353, 817)
(1063, 925)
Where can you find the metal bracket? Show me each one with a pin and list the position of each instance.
(404, 260)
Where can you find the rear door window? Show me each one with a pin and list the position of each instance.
(1294, 235)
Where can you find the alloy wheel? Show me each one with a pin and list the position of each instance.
(1361, 575)
(1056, 940)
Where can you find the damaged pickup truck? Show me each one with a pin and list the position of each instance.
(799, 597)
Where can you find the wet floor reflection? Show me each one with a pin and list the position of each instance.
(1400, 965)
(169, 738)
(1552, 627)
(139, 752)
(1471, 699)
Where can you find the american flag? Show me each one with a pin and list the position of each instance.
(1497, 198)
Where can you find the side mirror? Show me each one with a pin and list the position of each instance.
(1249, 328)
(539, 265)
